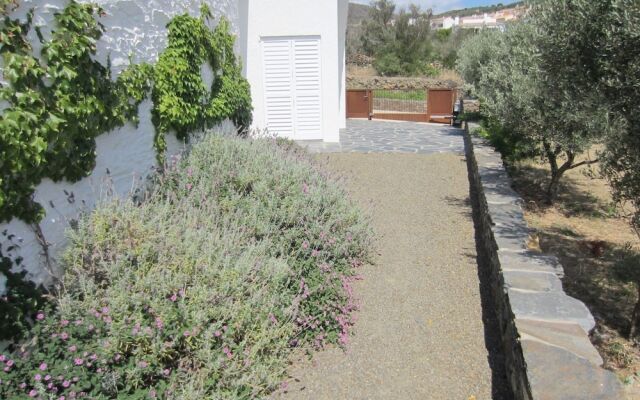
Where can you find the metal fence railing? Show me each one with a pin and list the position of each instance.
(411, 101)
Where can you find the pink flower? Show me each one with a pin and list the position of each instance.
(10, 363)
(152, 393)
(43, 367)
(189, 186)
(66, 384)
(40, 316)
(22, 385)
(73, 348)
(33, 393)
(174, 297)
(62, 398)
(315, 253)
(159, 323)
(166, 372)
(105, 310)
(273, 318)
(78, 322)
(3, 357)
(64, 336)
(78, 361)
(217, 333)
(143, 364)
(228, 352)
(284, 385)
(187, 333)
(6, 369)
(305, 188)
(47, 378)
(38, 377)
(189, 172)
(305, 245)
(64, 322)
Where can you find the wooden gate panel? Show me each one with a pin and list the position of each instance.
(359, 104)
(440, 105)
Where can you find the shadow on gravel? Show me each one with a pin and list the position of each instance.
(500, 389)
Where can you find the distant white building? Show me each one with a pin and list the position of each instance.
(496, 20)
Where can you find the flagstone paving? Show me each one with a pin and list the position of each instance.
(362, 136)
(422, 331)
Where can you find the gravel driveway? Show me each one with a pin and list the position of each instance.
(420, 331)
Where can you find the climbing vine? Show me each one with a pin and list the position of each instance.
(57, 103)
(182, 103)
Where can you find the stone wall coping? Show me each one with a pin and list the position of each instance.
(545, 332)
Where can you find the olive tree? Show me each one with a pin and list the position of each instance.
(601, 53)
(536, 107)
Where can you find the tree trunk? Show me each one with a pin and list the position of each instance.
(554, 184)
(556, 171)
(635, 318)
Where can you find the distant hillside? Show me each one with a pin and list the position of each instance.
(357, 13)
(480, 10)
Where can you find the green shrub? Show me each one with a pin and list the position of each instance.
(241, 251)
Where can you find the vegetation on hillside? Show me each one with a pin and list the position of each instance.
(465, 12)
(401, 41)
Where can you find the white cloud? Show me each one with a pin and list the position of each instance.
(437, 6)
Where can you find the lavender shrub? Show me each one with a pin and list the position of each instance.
(243, 250)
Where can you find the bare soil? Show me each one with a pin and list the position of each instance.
(585, 231)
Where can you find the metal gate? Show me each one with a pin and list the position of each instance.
(416, 105)
(359, 104)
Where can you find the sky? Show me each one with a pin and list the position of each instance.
(439, 6)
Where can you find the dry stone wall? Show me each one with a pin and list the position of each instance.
(544, 331)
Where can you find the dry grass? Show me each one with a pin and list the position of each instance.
(450, 75)
(584, 230)
(358, 71)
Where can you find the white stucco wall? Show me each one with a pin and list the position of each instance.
(269, 18)
(135, 29)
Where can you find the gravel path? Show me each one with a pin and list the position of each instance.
(420, 333)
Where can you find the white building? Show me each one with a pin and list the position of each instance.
(294, 57)
(293, 54)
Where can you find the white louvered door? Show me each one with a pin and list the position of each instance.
(292, 87)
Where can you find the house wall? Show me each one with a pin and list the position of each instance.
(268, 18)
(135, 29)
(343, 14)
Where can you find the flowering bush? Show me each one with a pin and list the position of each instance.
(241, 251)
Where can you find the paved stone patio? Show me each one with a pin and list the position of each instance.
(363, 136)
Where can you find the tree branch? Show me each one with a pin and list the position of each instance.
(585, 162)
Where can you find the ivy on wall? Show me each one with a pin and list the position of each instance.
(56, 106)
(181, 101)
(59, 102)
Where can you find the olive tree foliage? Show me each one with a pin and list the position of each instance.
(603, 56)
(537, 109)
(474, 53)
(619, 73)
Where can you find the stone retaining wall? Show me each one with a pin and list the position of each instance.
(544, 331)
